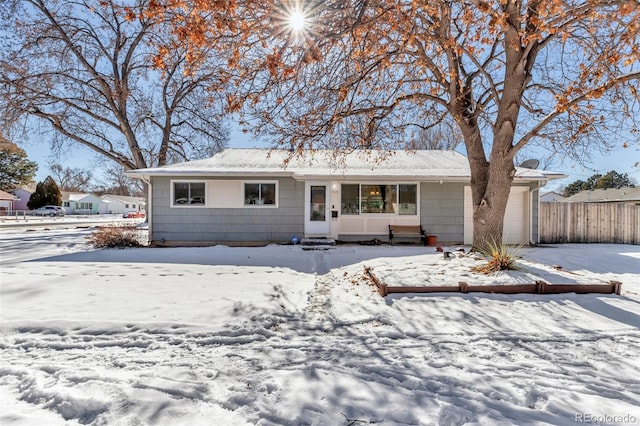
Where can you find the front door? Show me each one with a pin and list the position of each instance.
(317, 214)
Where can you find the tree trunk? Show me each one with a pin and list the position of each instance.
(490, 184)
(489, 207)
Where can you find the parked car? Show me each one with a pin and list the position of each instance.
(131, 215)
(49, 211)
(192, 200)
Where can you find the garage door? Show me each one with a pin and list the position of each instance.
(516, 218)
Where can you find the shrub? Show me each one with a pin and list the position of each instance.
(501, 257)
(114, 237)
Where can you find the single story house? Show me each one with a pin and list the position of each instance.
(551, 196)
(22, 198)
(82, 203)
(6, 202)
(625, 195)
(120, 204)
(262, 195)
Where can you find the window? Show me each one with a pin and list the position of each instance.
(85, 206)
(350, 199)
(379, 199)
(259, 194)
(318, 204)
(189, 194)
(408, 199)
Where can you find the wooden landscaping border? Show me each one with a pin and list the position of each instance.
(539, 287)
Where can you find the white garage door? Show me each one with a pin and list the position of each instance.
(516, 218)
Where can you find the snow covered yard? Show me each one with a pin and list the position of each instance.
(277, 335)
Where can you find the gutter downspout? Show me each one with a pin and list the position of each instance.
(540, 185)
(149, 205)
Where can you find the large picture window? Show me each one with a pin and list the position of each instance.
(259, 194)
(379, 199)
(189, 194)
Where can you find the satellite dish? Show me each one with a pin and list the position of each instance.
(530, 164)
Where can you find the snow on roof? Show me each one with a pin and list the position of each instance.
(7, 196)
(605, 195)
(73, 196)
(426, 164)
(124, 198)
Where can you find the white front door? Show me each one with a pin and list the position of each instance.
(317, 214)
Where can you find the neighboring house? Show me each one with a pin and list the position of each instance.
(609, 195)
(81, 203)
(551, 196)
(248, 195)
(7, 202)
(121, 204)
(70, 201)
(22, 195)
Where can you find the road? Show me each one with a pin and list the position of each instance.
(66, 222)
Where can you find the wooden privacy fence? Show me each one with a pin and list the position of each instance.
(539, 287)
(589, 223)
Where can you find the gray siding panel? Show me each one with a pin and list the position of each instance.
(442, 210)
(441, 214)
(210, 225)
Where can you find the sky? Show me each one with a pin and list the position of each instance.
(621, 160)
(278, 335)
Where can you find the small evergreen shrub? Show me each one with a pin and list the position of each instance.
(114, 237)
(501, 257)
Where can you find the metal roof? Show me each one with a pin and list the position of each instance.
(410, 164)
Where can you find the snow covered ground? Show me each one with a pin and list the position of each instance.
(276, 335)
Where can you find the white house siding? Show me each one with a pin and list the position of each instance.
(207, 225)
(440, 213)
(119, 204)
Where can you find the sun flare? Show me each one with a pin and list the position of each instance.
(297, 20)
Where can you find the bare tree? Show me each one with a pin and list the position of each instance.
(444, 135)
(563, 74)
(87, 72)
(71, 179)
(115, 182)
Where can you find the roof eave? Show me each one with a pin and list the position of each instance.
(142, 173)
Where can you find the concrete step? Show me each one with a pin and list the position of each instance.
(317, 243)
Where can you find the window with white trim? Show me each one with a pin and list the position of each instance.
(399, 199)
(187, 194)
(260, 194)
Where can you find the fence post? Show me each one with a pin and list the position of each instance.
(617, 286)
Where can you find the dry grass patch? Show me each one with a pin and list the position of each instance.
(115, 237)
(502, 257)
